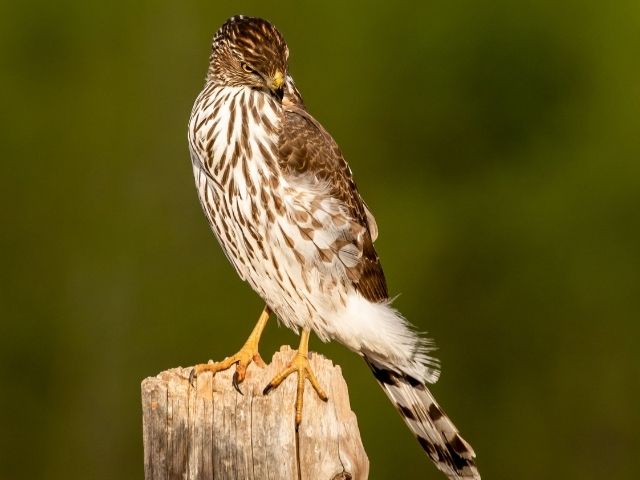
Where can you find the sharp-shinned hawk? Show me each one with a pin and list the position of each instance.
(281, 200)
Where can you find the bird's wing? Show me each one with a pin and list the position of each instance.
(307, 151)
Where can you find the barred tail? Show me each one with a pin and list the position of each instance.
(437, 435)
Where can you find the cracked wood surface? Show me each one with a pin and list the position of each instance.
(212, 432)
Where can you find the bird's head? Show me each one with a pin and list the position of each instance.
(249, 51)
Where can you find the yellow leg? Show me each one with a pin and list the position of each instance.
(299, 364)
(247, 354)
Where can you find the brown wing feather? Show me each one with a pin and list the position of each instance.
(306, 148)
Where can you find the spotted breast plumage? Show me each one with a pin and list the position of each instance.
(281, 200)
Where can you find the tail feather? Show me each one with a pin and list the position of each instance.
(435, 432)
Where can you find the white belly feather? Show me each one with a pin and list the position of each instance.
(270, 258)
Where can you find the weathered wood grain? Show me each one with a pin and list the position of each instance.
(209, 431)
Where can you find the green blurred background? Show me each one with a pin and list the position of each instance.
(497, 143)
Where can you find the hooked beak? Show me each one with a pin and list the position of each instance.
(276, 84)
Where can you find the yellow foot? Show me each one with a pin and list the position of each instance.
(299, 364)
(242, 359)
(247, 354)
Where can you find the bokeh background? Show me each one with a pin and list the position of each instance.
(497, 143)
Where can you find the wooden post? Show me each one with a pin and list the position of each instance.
(212, 432)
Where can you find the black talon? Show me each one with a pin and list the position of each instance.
(267, 389)
(192, 377)
(235, 383)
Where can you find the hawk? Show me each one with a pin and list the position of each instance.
(281, 200)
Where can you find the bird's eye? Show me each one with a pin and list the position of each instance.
(247, 68)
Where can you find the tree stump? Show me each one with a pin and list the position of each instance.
(209, 431)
